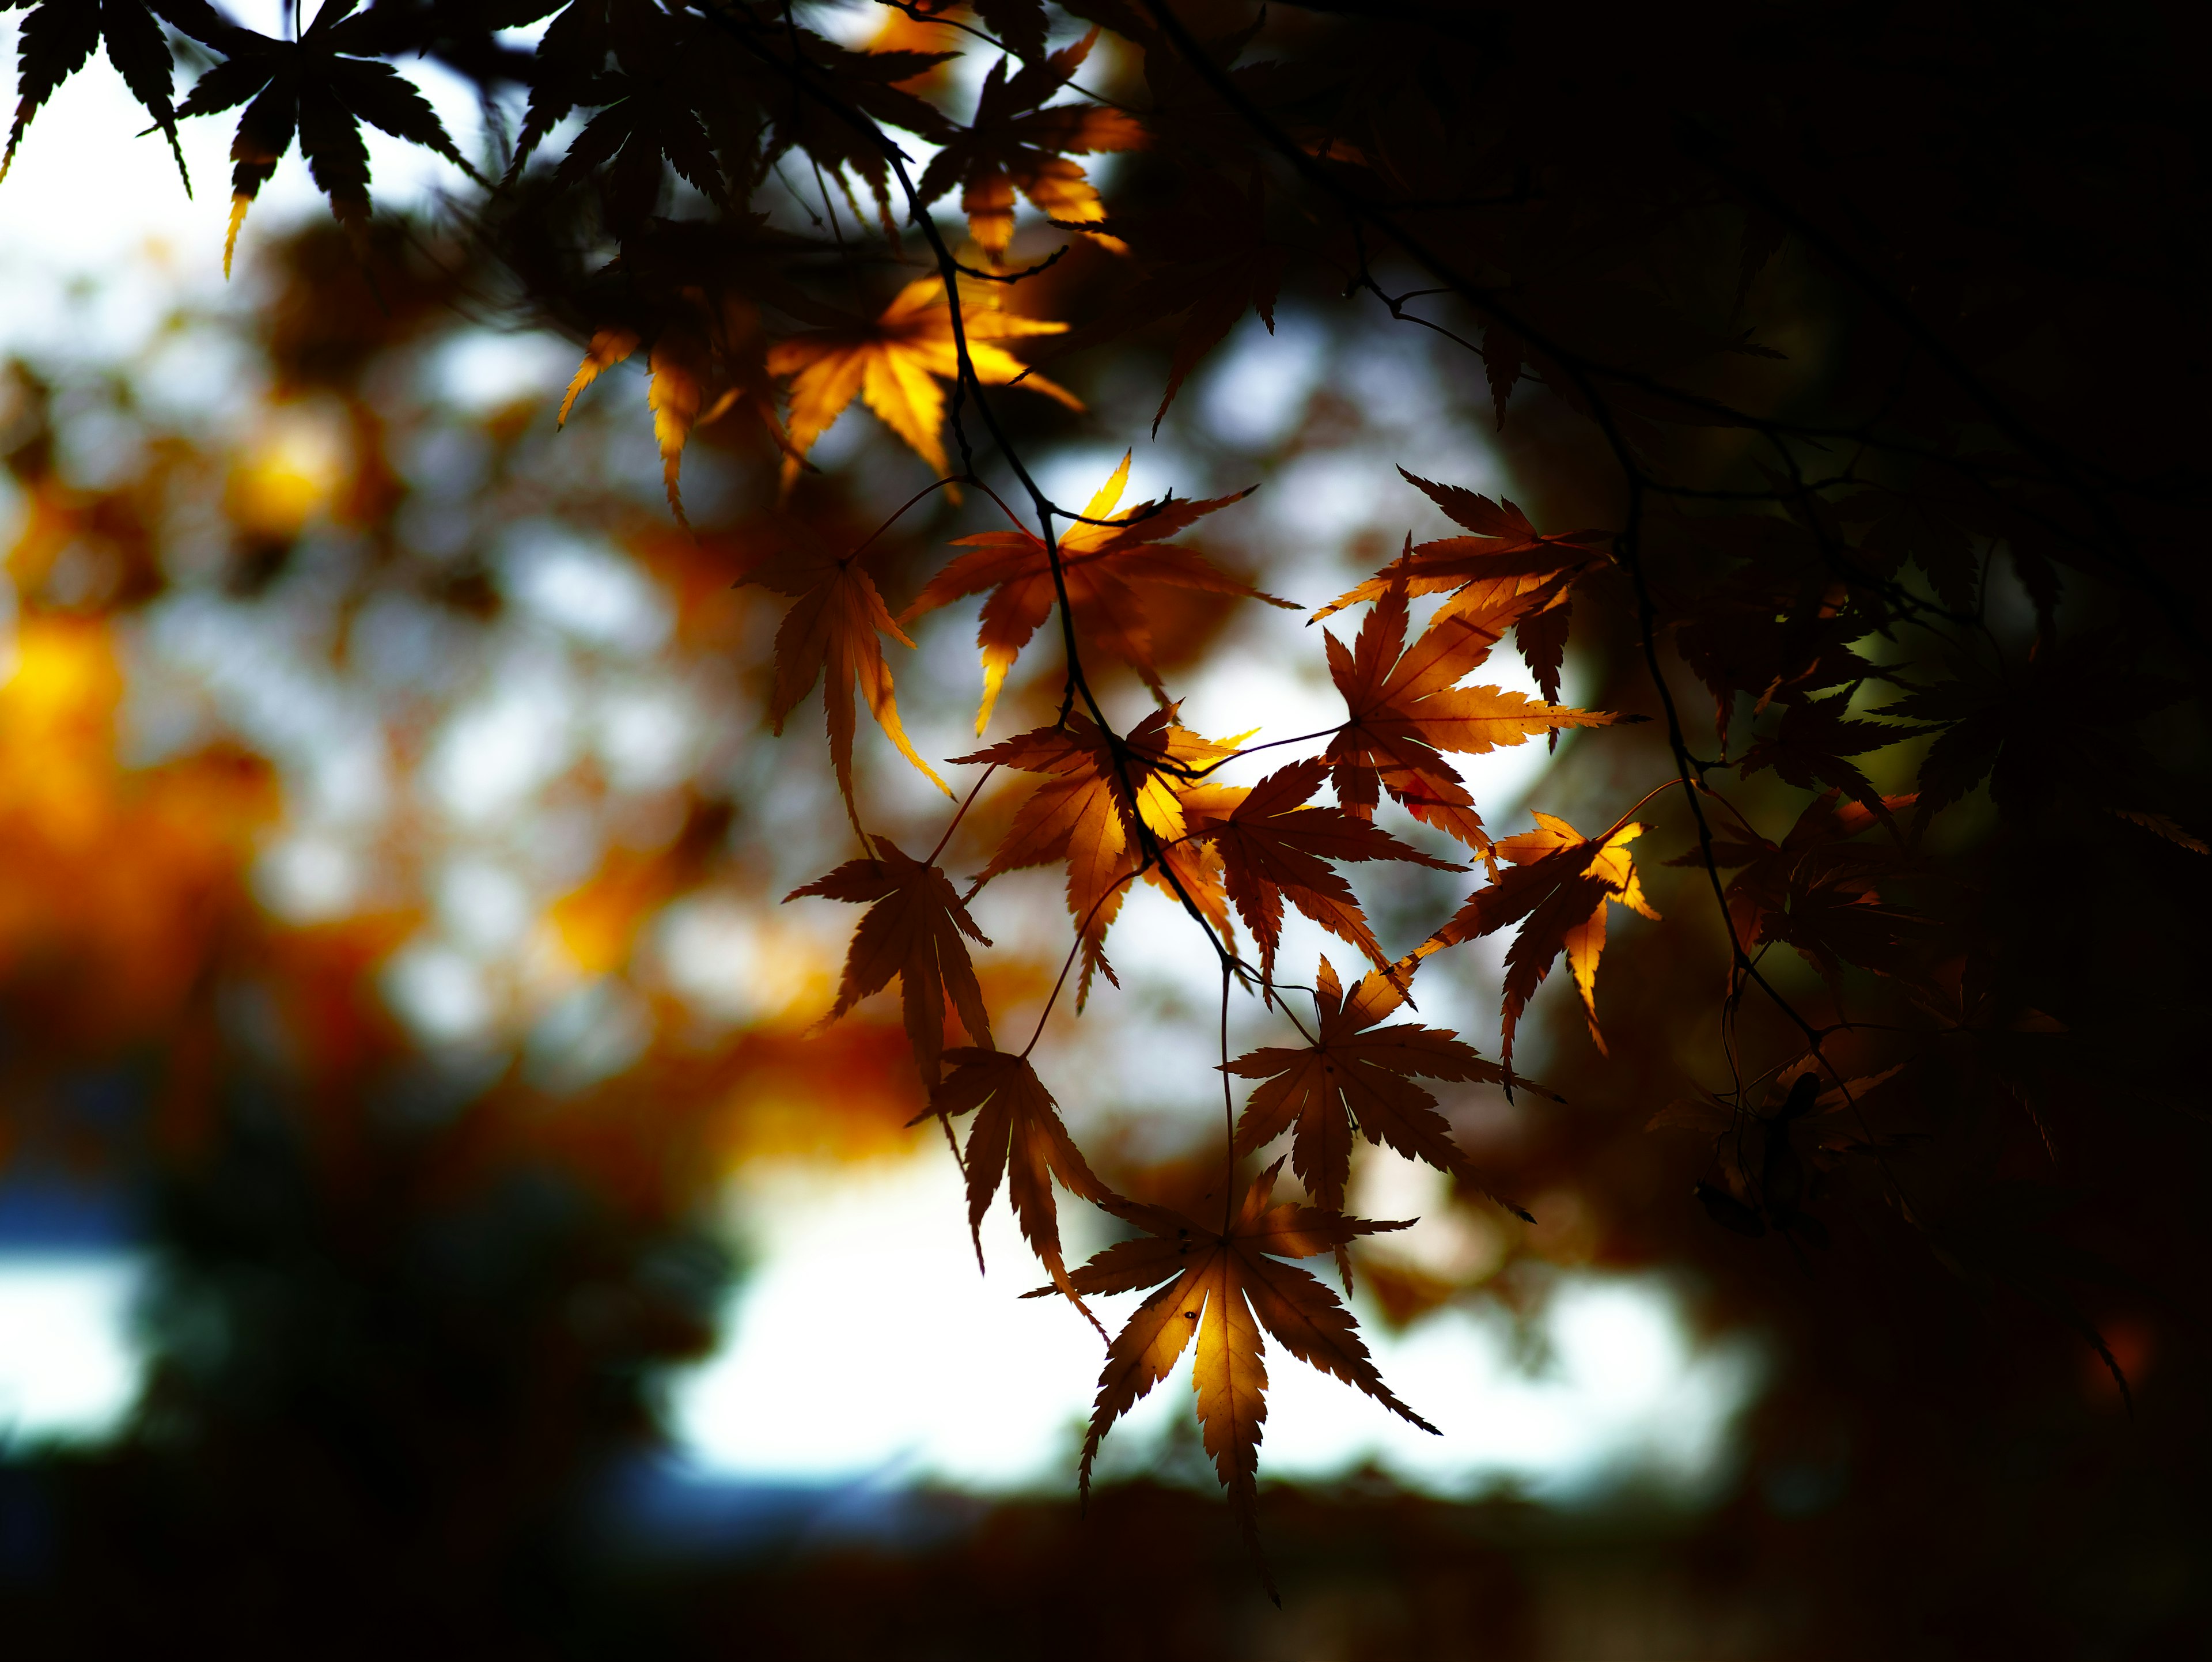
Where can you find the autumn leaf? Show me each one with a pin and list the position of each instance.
(912, 930)
(1013, 144)
(1106, 568)
(832, 627)
(1560, 882)
(893, 364)
(1019, 24)
(1223, 1287)
(313, 87)
(1084, 813)
(58, 38)
(1207, 260)
(1018, 1137)
(1810, 747)
(1814, 892)
(698, 374)
(2058, 727)
(648, 115)
(870, 83)
(1406, 709)
(1273, 850)
(1356, 1079)
(1504, 572)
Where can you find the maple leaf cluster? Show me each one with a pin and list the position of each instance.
(1112, 808)
(1916, 621)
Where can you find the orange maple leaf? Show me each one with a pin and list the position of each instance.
(894, 362)
(832, 625)
(1084, 814)
(1102, 566)
(912, 931)
(700, 370)
(1018, 1135)
(1560, 883)
(1224, 1286)
(1506, 572)
(1358, 1078)
(1012, 145)
(1273, 850)
(1405, 708)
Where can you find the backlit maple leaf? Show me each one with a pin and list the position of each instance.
(1223, 1287)
(832, 626)
(1105, 567)
(1018, 1135)
(1275, 849)
(312, 87)
(1504, 572)
(1083, 814)
(701, 369)
(1560, 882)
(1357, 1079)
(1406, 709)
(912, 930)
(1012, 145)
(893, 363)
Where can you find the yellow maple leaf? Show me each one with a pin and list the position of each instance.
(894, 364)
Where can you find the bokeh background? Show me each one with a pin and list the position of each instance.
(429, 1212)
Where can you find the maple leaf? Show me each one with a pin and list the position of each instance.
(912, 930)
(1208, 261)
(871, 83)
(1505, 572)
(640, 128)
(1560, 882)
(1275, 849)
(1084, 813)
(1357, 1079)
(1018, 1137)
(1019, 24)
(1812, 892)
(832, 626)
(1404, 709)
(1103, 566)
(688, 361)
(705, 345)
(2056, 729)
(1504, 356)
(893, 363)
(1812, 742)
(1012, 145)
(313, 87)
(1223, 1286)
(58, 38)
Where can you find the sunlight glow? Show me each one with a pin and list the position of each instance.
(864, 1344)
(68, 1368)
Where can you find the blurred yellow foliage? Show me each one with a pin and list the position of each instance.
(290, 474)
(118, 879)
